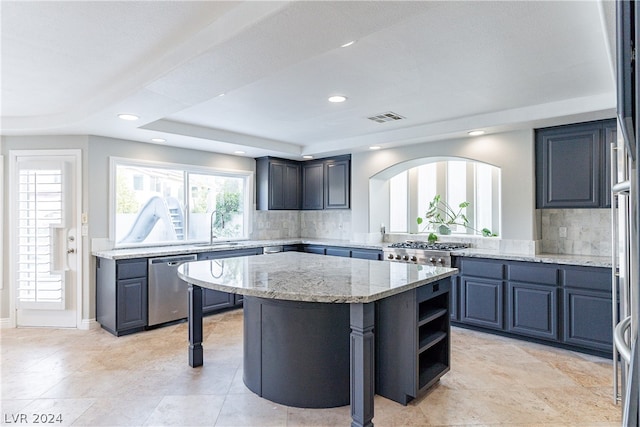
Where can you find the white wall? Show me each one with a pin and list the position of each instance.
(512, 152)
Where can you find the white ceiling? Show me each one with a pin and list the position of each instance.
(447, 67)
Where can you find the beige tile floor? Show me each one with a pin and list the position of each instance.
(91, 378)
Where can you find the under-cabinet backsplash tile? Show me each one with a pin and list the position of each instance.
(275, 225)
(576, 231)
(334, 224)
(327, 224)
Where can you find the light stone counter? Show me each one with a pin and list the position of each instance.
(582, 260)
(298, 276)
(158, 251)
(168, 250)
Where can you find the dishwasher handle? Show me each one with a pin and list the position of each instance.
(173, 260)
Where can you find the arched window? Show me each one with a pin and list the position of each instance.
(455, 181)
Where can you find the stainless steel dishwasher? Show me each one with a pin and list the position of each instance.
(168, 294)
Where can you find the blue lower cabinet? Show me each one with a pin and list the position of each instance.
(564, 305)
(481, 302)
(532, 310)
(587, 319)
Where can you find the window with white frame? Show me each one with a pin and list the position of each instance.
(455, 182)
(157, 203)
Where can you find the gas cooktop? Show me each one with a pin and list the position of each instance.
(418, 244)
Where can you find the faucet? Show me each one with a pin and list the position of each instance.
(211, 221)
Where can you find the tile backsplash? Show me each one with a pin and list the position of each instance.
(275, 225)
(576, 231)
(327, 224)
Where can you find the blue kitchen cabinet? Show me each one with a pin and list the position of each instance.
(326, 183)
(564, 305)
(587, 308)
(572, 164)
(278, 184)
(121, 295)
(532, 300)
(313, 186)
(337, 182)
(213, 300)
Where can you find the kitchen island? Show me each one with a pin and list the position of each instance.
(291, 280)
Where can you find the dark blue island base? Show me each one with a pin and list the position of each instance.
(297, 353)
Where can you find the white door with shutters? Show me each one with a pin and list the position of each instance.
(45, 237)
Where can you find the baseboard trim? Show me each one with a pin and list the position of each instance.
(89, 324)
(6, 323)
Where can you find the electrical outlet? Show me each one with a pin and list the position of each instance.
(562, 231)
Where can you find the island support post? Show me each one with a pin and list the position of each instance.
(362, 364)
(195, 326)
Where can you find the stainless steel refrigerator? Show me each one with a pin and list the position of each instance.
(625, 215)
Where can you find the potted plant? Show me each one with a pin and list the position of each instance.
(441, 217)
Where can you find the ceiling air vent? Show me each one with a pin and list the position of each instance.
(389, 116)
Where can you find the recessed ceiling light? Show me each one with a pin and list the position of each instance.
(375, 147)
(337, 98)
(476, 133)
(348, 43)
(158, 140)
(238, 152)
(307, 156)
(129, 117)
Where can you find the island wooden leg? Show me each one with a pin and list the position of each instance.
(195, 326)
(362, 364)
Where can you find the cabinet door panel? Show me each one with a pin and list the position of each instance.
(276, 185)
(313, 186)
(292, 187)
(216, 300)
(587, 319)
(568, 167)
(482, 302)
(131, 311)
(533, 310)
(336, 176)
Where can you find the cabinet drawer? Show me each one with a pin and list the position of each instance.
(366, 254)
(533, 273)
(481, 268)
(343, 252)
(433, 290)
(588, 278)
(130, 269)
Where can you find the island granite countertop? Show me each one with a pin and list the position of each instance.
(298, 276)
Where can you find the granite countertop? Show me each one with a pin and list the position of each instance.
(157, 251)
(298, 276)
(583, 260)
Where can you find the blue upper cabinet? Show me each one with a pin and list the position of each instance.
(326, 183)
(336, 183)
(278, 184)
(572, 165)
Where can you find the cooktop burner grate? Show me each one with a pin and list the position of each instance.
(417, 244)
